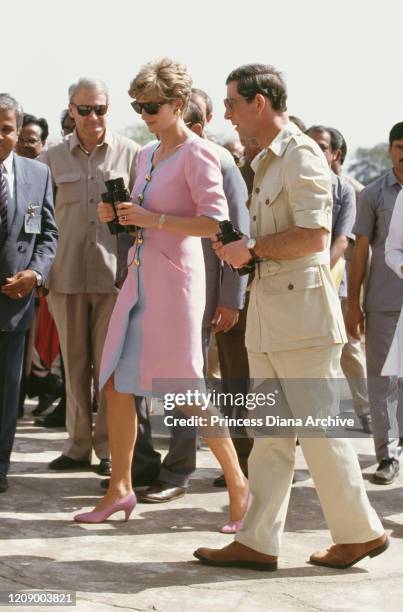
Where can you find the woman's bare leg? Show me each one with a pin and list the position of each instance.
(122, 430)
(237, 485)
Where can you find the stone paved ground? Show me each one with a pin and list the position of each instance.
(147, 563)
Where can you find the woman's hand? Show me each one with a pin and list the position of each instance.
(105, 212)
(133, 214)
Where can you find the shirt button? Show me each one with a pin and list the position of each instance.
(92, 200)
(267, 201)
(290, 287)
(90, 178)
(254, 217)
(92, 222)
(136, 262)
(140, 197)
(92, 243)
(257, 190)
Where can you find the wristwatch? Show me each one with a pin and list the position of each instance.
(39, 279)
(250, 245)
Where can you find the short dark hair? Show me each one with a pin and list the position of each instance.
(338, 143)
(208, 101)
(396, 133)
(194, 113)
(40, 122)
(264, 79)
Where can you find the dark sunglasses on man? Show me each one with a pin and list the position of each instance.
(85, 109)
(151, 108)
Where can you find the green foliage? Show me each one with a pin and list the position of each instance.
(370, 163)
(139, 133)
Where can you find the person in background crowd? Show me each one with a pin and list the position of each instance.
(32, 137)
(394, 259)
(291, 223)
(339, 150)
(236, 149)
(42, 375)
(383, 300)
(82, 281)
(28, 237)
(344, 211)
(67, 123)
(232, 355)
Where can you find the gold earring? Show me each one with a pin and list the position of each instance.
(178, 112)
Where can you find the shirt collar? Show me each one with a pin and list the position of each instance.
(391, 179)
(8, 163)
(279, 144)
(75, 142)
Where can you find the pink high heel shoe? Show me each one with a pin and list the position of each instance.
(235, 526)
(125, 504)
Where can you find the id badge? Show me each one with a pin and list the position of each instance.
(32, 221)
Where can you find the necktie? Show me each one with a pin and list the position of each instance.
(3, 199)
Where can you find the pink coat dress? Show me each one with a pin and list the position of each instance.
(155, 330)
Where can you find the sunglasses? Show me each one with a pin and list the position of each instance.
(151, 108)
(85, 109)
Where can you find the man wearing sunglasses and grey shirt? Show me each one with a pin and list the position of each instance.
(87, 264)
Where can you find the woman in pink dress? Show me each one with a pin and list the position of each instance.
(155, 330)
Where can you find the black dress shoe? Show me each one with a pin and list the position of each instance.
(66, 463)
(219, 481)
(387, 472)
(3, 484)
(51, 420)
(105, 467)
(45, 401)
(159, 493)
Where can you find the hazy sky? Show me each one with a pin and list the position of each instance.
(342, 59)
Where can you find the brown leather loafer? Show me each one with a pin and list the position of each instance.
(343, 556)
(236, 555)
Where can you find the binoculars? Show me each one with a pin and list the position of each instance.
(229, 233)
(116, 193)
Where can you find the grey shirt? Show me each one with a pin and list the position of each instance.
(87, 257)
(231, 287)
(343, 216)
(384, 291)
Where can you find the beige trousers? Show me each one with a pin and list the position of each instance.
(332, 462)
(353, 365)
(82, 322)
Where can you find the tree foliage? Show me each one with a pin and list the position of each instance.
(139, 133)
(370, 163)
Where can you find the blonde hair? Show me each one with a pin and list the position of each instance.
(164, 78)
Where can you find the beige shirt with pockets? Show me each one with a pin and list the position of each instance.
(293, 303)
(86, 257)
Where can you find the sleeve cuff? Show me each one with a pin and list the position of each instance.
(314, 219)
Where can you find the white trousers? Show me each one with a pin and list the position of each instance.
(332, 462)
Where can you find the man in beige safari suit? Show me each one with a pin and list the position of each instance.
(294, 331)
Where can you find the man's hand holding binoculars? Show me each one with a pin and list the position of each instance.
(236, 254)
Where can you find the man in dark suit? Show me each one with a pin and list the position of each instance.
(28, 237)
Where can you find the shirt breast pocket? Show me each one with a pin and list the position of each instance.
(273, 192)
(68, 188)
